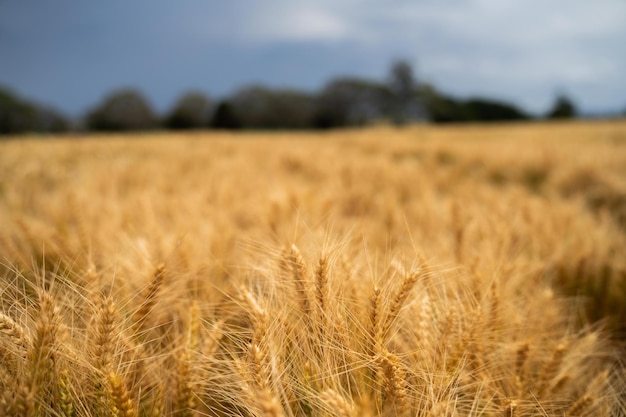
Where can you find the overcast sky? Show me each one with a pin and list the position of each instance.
(70, 53)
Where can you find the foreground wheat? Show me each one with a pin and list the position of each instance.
(445, 276)
(422, 342)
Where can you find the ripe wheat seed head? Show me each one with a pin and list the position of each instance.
(429, 271)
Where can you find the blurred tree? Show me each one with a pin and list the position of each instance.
(445, 109)
(18, 116)
(259, 107)
(563, 108)
(442, 108)
(122, 110)
(405, 103)
(225, 117)
(191, 111)
(487, 110)
(50, 120)
(15, 116)
(350, 102)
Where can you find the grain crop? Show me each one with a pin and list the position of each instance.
(416, 271)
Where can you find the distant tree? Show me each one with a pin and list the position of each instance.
(445, 109)
(405, 101)
(191, 111)
(442, 108)
(259, 107)
(15, 116)
(488, 110)
(225, 117)
(350, 102)
(19, 116)
(51, 121)
(122, 110)
(563, 108)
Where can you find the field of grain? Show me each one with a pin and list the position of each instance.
(425, 271)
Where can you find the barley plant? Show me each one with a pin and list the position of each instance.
(428, 271)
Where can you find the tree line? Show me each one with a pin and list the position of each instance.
(342, 102)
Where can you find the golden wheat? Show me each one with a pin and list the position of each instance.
(436, 271)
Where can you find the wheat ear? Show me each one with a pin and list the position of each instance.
(376, 331)
(65, 395)
(157, 405)
(42, 356)
(338, 404)
(150, 296)
(443, 409)
(408, 283)
(258, 316)
(321, 291)
(105, 340)
(552, 367)
(520, 368)
(123, 405)
(268, 404)
(393, 380)
(185, 399)
(580, 406)
(256, 387)
(300, 274)
(459, 232)
(595, 388)
(258, 349)
(509, 409)
(16, 334)
(17, 402)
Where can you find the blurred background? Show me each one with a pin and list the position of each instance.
(115, 65)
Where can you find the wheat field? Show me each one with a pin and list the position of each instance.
(423, 271)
